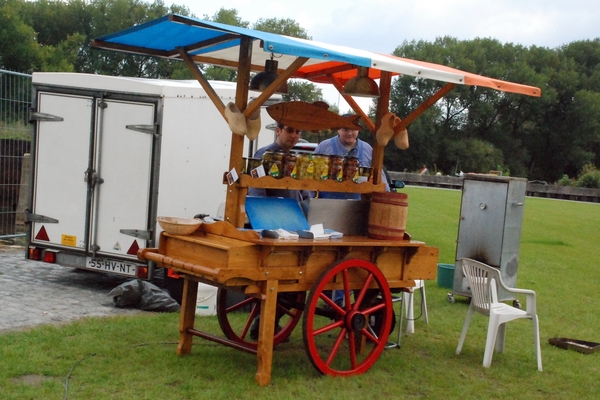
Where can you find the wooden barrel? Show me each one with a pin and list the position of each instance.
(387, 215)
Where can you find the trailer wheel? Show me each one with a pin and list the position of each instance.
(236, 313)
(347, 340)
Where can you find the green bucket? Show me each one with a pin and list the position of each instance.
(445, 275)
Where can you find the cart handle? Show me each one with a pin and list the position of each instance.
(152, 254)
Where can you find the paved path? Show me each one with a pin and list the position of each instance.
(33, 293)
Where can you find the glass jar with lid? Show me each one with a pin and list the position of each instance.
(351, 168)
(336, 168)
(272, 163)
(321, 167)
(289, 165)
(304, 166)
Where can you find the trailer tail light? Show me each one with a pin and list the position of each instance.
(172, 274)
(49, 257)
(142, 272)
(38, 254)
(35, 254)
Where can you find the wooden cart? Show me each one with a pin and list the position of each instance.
(339, 341)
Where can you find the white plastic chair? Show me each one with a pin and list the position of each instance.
(406, 298)
(483, 281)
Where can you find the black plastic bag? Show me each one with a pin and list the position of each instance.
(143, 295)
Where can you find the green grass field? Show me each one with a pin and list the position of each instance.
(134, 357)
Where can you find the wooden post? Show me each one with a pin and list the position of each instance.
(212, 95)
(268, 308)
(426, 104)
(187, 316)
(20, 225)
(383, 106)
(233, 210)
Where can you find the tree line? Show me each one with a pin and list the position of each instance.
(477, 129)
(472, 129)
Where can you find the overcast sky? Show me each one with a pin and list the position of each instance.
(382, 25)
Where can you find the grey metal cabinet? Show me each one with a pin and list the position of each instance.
(489, 230)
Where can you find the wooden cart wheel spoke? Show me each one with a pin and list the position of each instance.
(237, 313)
(334, 309)
(347, 291)
(250, 301)
(343, 340)
(369, 335)
(328, 328)
(373, 309)
(352, 351)
(336, 346)
(253, 314)
(363, 291)
(285, 310)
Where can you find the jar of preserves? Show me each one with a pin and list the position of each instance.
(365, 174)
(351, 167)
(250, 164)
(304, 166)
(321, 167)
(289, 165)
(272, 163)
(336, 168)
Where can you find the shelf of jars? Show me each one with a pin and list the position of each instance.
(269, 182)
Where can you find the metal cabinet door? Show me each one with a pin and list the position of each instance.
(481, 227)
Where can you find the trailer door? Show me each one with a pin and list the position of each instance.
(62, 150)
(123, 163)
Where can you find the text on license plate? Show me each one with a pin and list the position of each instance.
(113, 266)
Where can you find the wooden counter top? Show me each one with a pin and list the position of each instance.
(224, 234)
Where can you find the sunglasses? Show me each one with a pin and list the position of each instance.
(291, 130)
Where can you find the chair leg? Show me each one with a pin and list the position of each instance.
(536, 336)
(490, 341)
(500, 338)
(424, 303)
(464, 330)
(396, 299)
(410, 312)
(401, 319)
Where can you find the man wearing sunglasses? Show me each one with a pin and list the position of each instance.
(287, 137)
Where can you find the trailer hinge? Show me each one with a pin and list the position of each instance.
(138, 233)
(29, 217)
(142, 128)
(38, 116)
(96, 180)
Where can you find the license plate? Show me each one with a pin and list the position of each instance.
(112, 266)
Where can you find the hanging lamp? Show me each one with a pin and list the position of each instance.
(361, 85)
(263, 79)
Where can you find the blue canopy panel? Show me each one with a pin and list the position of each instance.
(165, 35)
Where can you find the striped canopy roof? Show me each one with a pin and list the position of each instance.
(218, 44)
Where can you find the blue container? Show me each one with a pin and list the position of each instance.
(445, 275)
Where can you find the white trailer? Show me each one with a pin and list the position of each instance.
(110, 154)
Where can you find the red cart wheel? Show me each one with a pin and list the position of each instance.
(347, 340)
(236, 313)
